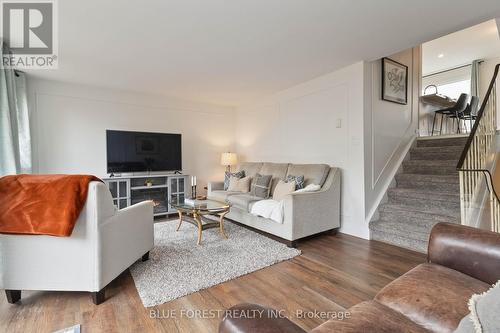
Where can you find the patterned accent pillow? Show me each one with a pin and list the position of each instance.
(299, 181)
(228, 175)
(261, 186)
(239, 184)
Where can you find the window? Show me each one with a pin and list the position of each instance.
(454, 89)
(450, 83)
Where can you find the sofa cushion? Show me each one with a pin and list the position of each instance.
(239, 184)
(261, 185)
(370, 317)
(220, 195)
(277, 170)
(313, 173)
(228, 175)
(251, 168)
(283, 189)
(299, 181)
(242, 201)
(433, 296)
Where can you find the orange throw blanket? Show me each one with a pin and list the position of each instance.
(42, 204)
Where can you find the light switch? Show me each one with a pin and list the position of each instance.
(339, 122)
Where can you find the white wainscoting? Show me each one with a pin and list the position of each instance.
(300, 125)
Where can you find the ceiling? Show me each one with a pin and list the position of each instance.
(478, 42)
(230, 52)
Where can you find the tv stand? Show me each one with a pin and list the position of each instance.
(129, 190)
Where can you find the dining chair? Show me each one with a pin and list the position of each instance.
(456, 109)
(470, 113)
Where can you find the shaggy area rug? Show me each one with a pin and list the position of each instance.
(178, 267)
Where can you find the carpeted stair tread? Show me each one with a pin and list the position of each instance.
(457, 141)
(437, 149)
(424, 194)
(449, 179)
(435, 167)
(412, 214)
(440, 203)
(427, 207)
(440, 208)
(401, 241)
(436, 153)
(413, 231)
(438, 183)
(433, 163)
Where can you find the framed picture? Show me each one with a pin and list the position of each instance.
(394, 81)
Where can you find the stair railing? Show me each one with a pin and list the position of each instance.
(478, 199)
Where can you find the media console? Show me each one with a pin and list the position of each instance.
(129, 190)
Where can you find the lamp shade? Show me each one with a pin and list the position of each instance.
(228, 159)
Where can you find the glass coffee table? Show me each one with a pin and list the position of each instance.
(197, 213)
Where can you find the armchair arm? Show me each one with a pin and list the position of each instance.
(472, 251)
(215, 186)
(123, 238)
(314, 212)
(250, 318)
(308, 205)
(141, 212)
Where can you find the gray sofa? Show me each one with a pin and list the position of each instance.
(305, 214)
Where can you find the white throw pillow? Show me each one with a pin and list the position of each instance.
(484, 309)
(309, 188)
(239, 184)
(283, 189)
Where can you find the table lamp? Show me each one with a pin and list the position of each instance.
(228, 159)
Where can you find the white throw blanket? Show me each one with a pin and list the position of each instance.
(309, 188)
(274, 210)
(270, 209)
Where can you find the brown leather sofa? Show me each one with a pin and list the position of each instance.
(432, 297)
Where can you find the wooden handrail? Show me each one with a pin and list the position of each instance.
(473, 166)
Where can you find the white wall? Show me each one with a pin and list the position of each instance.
(336, 119)
(299, 125)
(390, 128)
(69, 123)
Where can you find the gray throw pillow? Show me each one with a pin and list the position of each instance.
(228, 175)
(261, 184)
(299, 181)
(484, 310)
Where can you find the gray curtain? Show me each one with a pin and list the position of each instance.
(474, 80)
(15, 138)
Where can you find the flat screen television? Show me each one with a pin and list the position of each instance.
(142, 151)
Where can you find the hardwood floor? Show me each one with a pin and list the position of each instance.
(332, 274)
